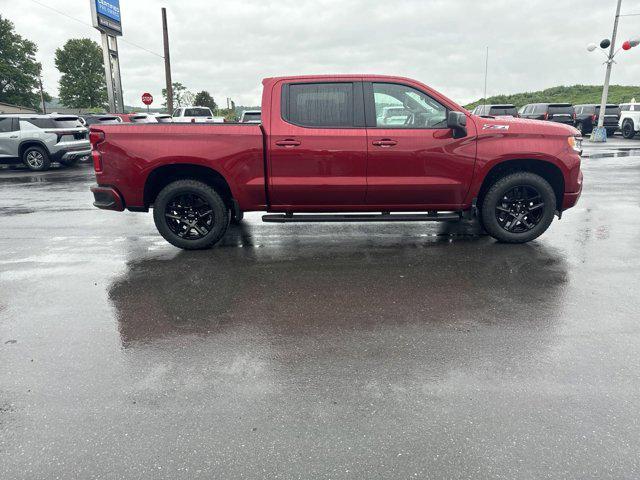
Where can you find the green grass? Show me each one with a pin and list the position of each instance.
(574, 94)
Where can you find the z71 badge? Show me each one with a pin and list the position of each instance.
(488, 126)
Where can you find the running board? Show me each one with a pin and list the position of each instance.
(384, 217)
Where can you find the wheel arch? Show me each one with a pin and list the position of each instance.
(163, 175)
(547, 170)
(31, 143)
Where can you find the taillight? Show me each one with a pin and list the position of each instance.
(574, 115)
(97, 160)
(193, 120)
(96, 137)
(594, 117)
(546, 116)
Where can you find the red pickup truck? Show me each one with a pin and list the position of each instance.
(347, 145)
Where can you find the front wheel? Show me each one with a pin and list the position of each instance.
(518, 207)
(190, 215)
(628, 130)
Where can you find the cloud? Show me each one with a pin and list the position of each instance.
(228, 46)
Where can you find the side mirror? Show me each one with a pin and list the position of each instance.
(457, 121)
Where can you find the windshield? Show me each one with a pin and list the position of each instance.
(197, 112)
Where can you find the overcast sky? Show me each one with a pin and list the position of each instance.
(228, 46)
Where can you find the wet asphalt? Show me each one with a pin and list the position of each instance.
(319, 351)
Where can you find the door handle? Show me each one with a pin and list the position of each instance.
(385, 142)
(13, 136)
(288, 142)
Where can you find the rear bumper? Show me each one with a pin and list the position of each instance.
(67, 155)
(107, 198)
(571, 198)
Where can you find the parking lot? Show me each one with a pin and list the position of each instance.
(305, 351)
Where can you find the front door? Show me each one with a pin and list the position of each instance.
(317, 146)
(413, 160)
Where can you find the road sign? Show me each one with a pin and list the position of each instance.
(147, 99)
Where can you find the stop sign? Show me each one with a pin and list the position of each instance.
(147, 98)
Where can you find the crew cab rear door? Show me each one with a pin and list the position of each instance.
(317, 150)
(413, 158)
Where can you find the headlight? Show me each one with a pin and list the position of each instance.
(575, 143)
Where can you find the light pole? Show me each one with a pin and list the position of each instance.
(599, 133)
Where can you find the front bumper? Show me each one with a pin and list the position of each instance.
(571, 198)
(107, 198)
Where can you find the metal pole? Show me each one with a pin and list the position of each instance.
(44, 107)
(106, 58)
(167, 61)
(486, 72)
(117, 80)
(599, 133)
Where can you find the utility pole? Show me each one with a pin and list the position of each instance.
(486, 73)
(44, 107)
(599, 133)
(167, 61)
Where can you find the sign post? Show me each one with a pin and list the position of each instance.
(147, 99)
(106, 18)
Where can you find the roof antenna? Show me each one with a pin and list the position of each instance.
(486, 71)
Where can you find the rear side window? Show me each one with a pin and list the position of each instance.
(560, 110)
(319, 104)
(251, 116)
(38, 122)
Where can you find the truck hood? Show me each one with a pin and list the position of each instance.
(512, 125)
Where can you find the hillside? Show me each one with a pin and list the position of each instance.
(575, 94)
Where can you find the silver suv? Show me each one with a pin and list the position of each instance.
(37, 140)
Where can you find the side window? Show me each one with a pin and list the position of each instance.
(176, 112)
(320, 104)
(527, 110)
(624, 108)
(6, 125)
(401, 106)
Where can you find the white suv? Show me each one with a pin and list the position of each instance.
(195, 115)
(629, 119)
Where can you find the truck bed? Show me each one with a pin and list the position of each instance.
(132, 151)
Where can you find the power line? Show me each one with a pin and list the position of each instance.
(91, 26)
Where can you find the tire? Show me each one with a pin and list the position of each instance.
(583, 130)
(36, 159)
(500, 202)
(628, 129)
(183, 202)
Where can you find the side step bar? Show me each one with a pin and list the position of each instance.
(384, 217)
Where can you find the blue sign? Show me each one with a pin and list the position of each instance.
(109, 9)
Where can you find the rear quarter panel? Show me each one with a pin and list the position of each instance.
(131, 152)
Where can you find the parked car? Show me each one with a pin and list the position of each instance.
(136, 117)
(193, 115)
(553, 112)
(495, 110)
(251, 116)
(37, 140)
(322, 149)
(88, 120)
(585, 117)
(629, 122)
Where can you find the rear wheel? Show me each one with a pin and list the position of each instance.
(190, 214)
(36, 159)
(628, 130)
(518, 207)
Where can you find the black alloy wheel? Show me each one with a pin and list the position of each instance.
(520, 209)
(189, 216)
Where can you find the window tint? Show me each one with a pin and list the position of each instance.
(176, 112)
(321, 104)
(505, 111)
(248, 116)
(6, 124)
(197, 112)
(401, 106)
(560, 110)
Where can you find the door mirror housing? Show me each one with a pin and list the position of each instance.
(457, 121)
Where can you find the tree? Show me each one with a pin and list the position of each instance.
(204, 99)
(82, 84)
(19, 70)
(181, 96)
